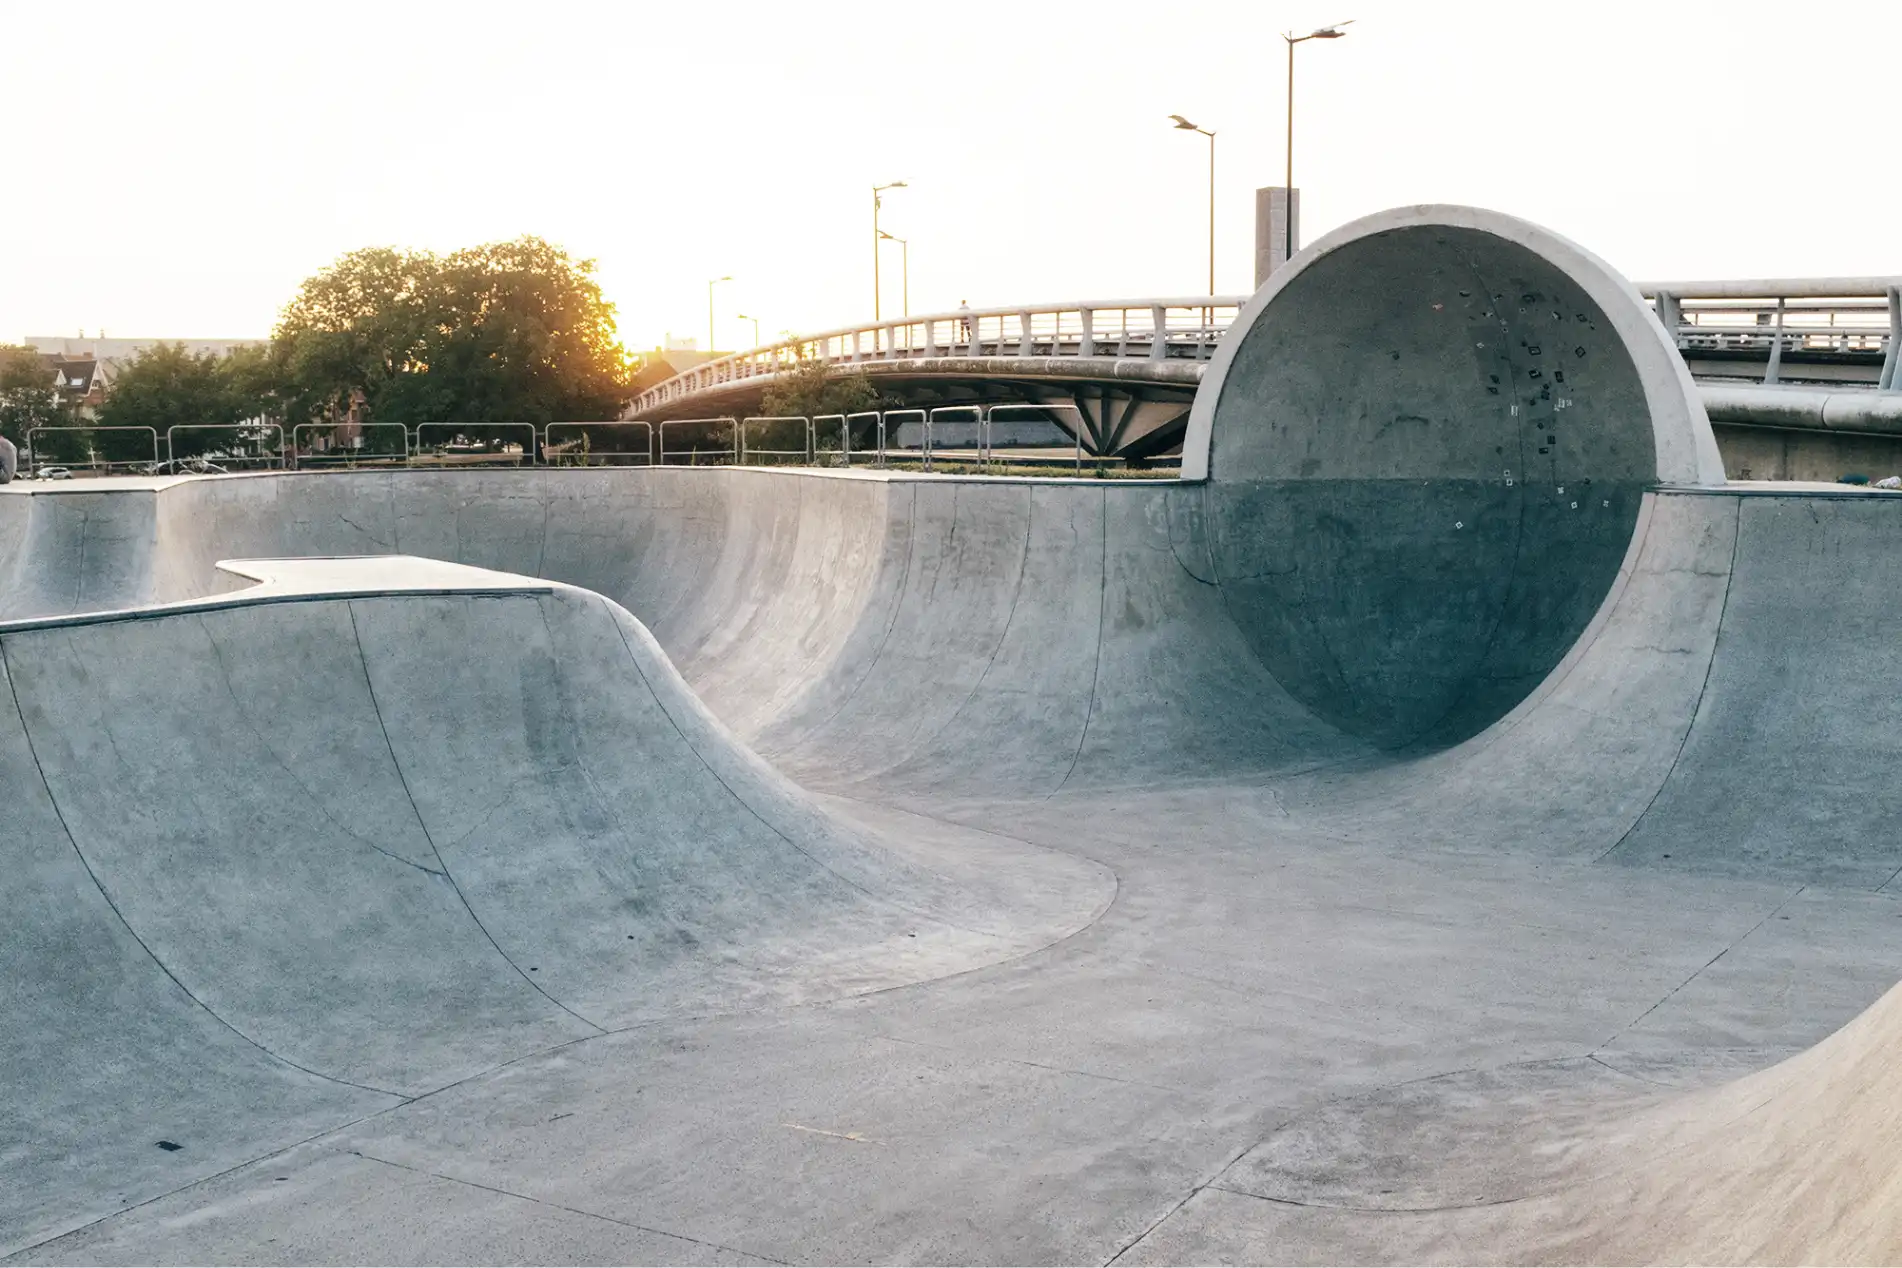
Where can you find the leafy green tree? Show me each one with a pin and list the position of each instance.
(28, 398)
(813, 389)
(508, 332)
(165, 386)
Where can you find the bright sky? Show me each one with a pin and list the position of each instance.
(179, 168)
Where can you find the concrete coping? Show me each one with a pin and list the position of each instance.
(314, 579)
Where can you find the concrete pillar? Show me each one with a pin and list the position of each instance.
(1271, 230)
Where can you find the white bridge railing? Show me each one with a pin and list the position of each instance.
(1857, 317)
(1171, 328)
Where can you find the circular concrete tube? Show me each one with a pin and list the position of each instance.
(1426, 442)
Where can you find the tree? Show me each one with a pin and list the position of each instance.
(814, 388)
(508, 332)
(28, 398)
(165, 386)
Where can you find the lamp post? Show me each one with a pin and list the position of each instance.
(710, 285)
(755, 321)
(876, 204)
(904, 256)
(1183, 125)
(1333, 32)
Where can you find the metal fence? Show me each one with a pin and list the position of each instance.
(709, 442)
(598, 444)
(946, 425)
(1013, 451)
(473, 444)
(319, 445)
(80, 447)
(904, 434)
(224, 447)
(778, 432)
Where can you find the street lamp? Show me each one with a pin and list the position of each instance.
(1183, 125)
(755, 321)
(904, 247)
(1333, 32)
(876, 204)
(710, 285)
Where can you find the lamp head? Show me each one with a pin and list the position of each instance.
(1332, 31)
(1183, 124)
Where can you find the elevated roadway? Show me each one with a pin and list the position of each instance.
(1449, 825)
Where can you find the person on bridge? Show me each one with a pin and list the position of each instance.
(9, 460)
(964, 321)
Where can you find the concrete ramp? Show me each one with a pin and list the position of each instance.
(375, 827)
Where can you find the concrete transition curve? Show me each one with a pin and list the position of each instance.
(1449, 827)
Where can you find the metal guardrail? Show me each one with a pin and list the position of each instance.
(573, 445)
(727, 453)
(1858, 317)
(352, 451)
(254, 432)
(37, 460)
(803, 454)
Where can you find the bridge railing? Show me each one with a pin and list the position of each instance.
(1857, 318)
(1164, 328)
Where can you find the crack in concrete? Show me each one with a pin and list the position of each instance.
(556, 1206)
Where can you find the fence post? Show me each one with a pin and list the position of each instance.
(1159, 341)
(1087, 348)
(1888, 381)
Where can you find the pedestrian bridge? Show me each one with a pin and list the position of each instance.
(1124, 371)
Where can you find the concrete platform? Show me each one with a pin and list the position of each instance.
(969, 871)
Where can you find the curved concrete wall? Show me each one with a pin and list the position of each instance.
(1426, 444)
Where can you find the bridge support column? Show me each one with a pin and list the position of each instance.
(1773, 372)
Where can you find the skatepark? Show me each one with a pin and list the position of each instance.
(1451, 823)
